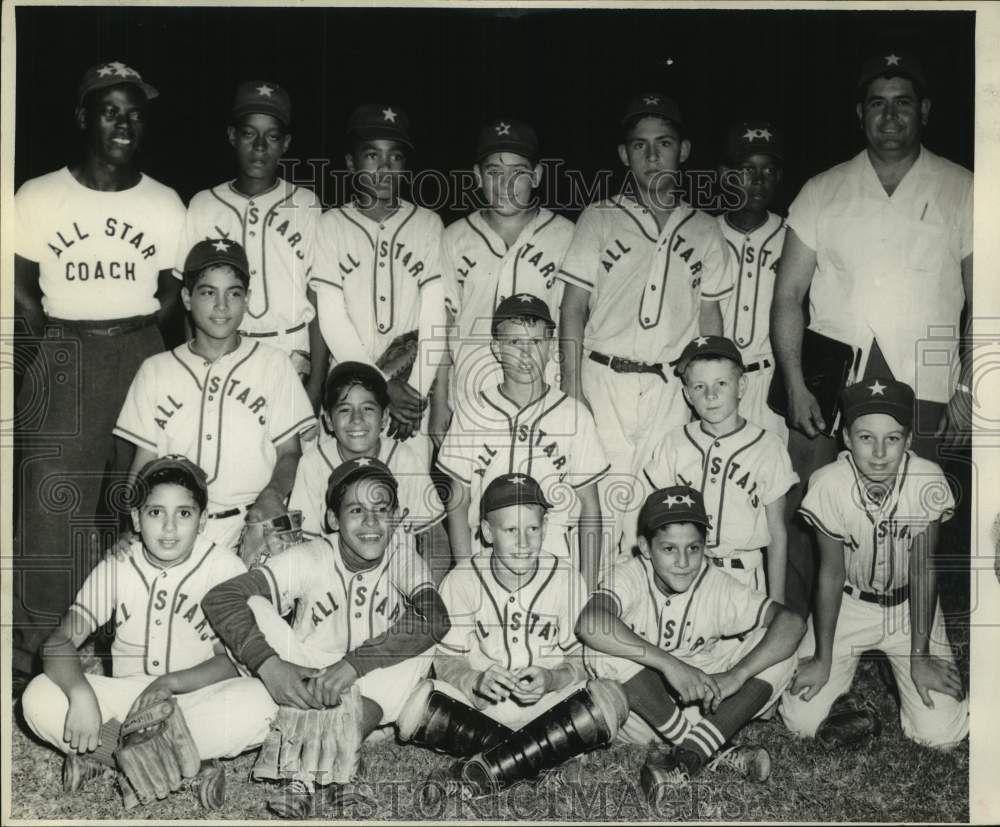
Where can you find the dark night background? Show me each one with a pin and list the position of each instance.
(565, 71)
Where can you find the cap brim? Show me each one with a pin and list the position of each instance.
(891, 72)
(674, 118)
(901, 413)
(262, 109)
(516, 149)
(370, 134)
(209, 262)
(149, 91)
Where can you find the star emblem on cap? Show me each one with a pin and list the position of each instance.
(221, 246)
(364, 461)
(678, 500)
(877, 389)
(264, 90)
(525, 298)
(518, 480)
(753, 134)
(503, 128)
(651, 100)
(701, 341)
(116, 68)
(892, 60)
(388, 115)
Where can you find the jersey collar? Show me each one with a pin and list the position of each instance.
(402, 212)
(196, 360)
(493, 240)
(278, 182)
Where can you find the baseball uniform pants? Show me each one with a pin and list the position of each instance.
(753, 405)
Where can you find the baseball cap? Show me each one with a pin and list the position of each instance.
(263, 97)
(103, 75)
(512, 489)
(892, 63)
(343, 373)
(522, 305)
(653, 103)
(358, 469)
(508, 135)
(753, 137)
(176, 464)
(718, 346)
(372, 121)
(674, 504)
(886, 396)
(216, 251)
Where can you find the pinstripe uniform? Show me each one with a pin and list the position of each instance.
(645, 286)
(227, 416)
(277, 229)
(739, 475)
(480, 271)
(420, 506)
(553, 439)
(747, 312)
(877, 538)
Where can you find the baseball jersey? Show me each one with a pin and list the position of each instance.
(738, 474)
(277, 228)
(877, 537)
(553, 439)
(377, 280)
(746, 313)
(532, 626)
(645, 284)
(99, 254)
(686, 624)
(337, 608)
(228, 416)
(159, 624)
(419, 503)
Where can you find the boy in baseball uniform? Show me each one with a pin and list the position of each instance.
(677, 632)
(877, 511)
(509, 670)
(275, 223)
(742, 470)
(526, 426)
(163, 642)
(643, 276)
(355, 415)
(232, 404)
(752, 170)
(377, 274)
(366, 612)
(512, 245)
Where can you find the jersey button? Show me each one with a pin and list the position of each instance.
(159, 622)
(713, 479)
(208, 437)
(652, 288)
(211, 399)
(381, 298)
(746, 307)
(381, 264)
(513, 640)
(646, 319)
(749, 275)
(511, 599)
(156, 663)
(357, 614)
(252, 233)
(358, 577)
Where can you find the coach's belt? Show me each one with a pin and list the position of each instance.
(621, 365)
(229, 512)
(106, 327)
(295, 329)
(761, 364)
(888, 599)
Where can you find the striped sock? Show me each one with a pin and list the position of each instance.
(647, 697)
(702, 741)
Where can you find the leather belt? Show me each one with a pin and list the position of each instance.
(106, 327)
(727, 562)
(761, 364)
(295, 329)
(621, 365)
(229, 512)
(887, 599)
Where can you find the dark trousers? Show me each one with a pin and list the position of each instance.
(69, 470)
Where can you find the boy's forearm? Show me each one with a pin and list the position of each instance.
(215, 669)
(459, 532)
(779, 642)
(777, 550)
(61, 663)
(283, 476)
(829, 594)
(456, 670)
(233, 620)
(923, 589)
(591, 533)
(605, 632)
(570, 671)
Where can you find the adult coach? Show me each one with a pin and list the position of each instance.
(95, 244)
(883, 245)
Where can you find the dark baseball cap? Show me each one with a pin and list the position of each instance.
(262, 97)
(675, 504)
(705, 346)
(112, 74)
(176, 464)
(886, 396)
(216, 251)
(519, 306)
(512, 489)
(753, 137)
(344, 373)
(653, 103)
(373, 121)
(360, 468)
(508, 135)
(892, 63)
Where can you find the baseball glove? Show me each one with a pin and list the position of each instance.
(851, 721)
(155, 753)
(269, 538)
(316, 746)
(398, 358)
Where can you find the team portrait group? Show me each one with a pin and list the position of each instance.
(295, 478)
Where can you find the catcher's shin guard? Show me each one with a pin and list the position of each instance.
(432, 719)
(585, 720)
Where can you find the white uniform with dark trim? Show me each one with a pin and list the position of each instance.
(739, 475)
(646, 289)
(277, 229)
(480, 271)
(552, 439)
(532, 626)
(747, 312)
(159, 628)
(420, 505)
(877, 539)
(227, 416)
